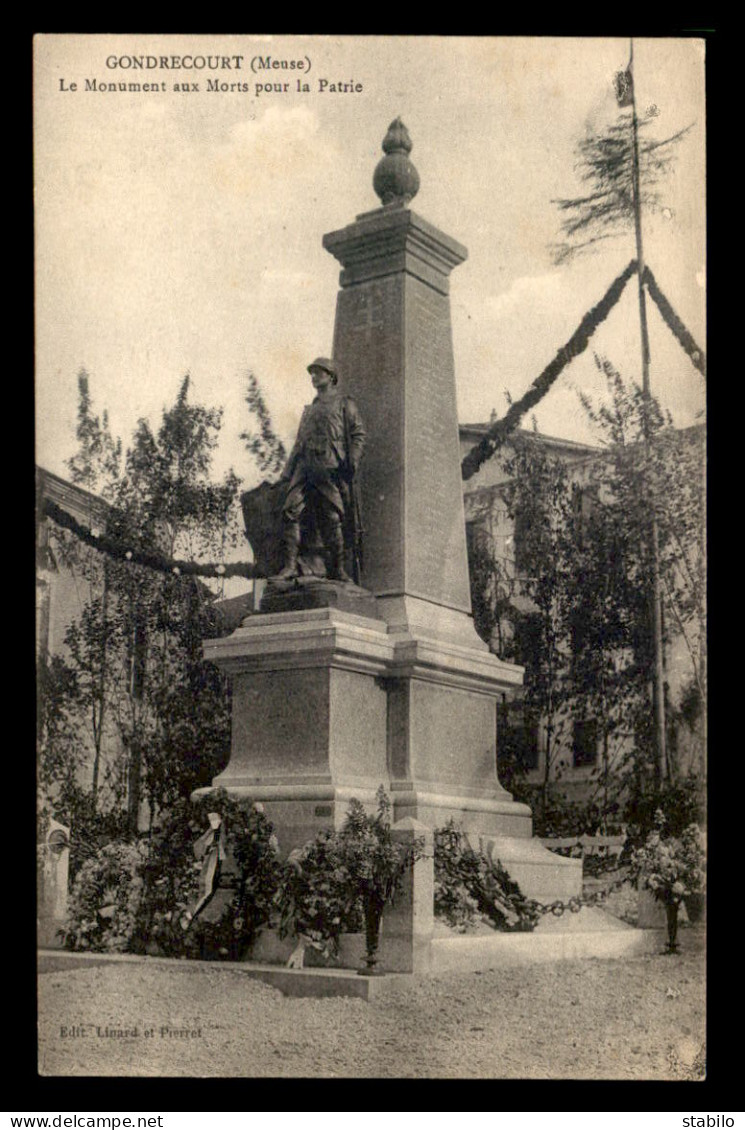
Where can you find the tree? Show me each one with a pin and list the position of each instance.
(96, 467)
(538, 501)
(638, 484)
(624, 171)
(608, 638)
(265, 445)
(492, 584)
(573, 606)
(174, 721)
(134, 665)
(97, 463)
(604, 161)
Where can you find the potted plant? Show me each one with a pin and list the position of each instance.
(672, 868)
(375, 865)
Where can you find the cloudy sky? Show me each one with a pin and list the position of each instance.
(181, 231)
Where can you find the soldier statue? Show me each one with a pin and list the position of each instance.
(321, 476)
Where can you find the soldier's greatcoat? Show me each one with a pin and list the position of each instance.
(327, 452)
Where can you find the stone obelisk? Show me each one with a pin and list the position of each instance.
(328, 703)
(393, 338)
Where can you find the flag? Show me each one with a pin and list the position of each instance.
(624, 84)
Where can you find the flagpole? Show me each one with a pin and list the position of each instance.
(658, 680)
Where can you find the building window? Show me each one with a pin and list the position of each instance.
(580, 641)
(521, 534)
(585, 742)
(477, 536)
(528, 641)
(584, 507)
(529, 752)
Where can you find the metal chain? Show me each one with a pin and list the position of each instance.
(575, 904)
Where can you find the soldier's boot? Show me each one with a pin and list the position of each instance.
(336, 550)
(291, 541)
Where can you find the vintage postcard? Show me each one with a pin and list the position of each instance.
(370, 433)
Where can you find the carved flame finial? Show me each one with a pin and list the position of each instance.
(395, 179)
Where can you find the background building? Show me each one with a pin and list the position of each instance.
(576, 762)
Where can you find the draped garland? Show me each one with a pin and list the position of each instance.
(674, 323)
(158, 561)
(577, 343)
(502, 428)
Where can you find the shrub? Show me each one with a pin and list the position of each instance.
(469, 884)
(343, 879)
(171, 881)
(681, 805)
(374, 863)
(557, 815)
(602, 861)
(105, 901)
(137, 897)
(90, 829)
(315, 898)
(671, 867)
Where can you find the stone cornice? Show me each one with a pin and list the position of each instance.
(430, 660)
(328, 638)
(316, 638)
(392, 240)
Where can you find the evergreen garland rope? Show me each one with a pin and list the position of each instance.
(577, 343)
(157, 561)
(674, 323)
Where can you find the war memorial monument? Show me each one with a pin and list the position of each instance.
(339, 687)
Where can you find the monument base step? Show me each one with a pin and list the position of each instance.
(482, 815)
(270, 949)
(290, 982)
(590, 933)
(541, 874)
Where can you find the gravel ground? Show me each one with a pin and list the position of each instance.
(637, 1018)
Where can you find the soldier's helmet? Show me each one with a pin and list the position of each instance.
(327, 365)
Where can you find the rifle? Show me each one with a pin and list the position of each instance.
(353, 517)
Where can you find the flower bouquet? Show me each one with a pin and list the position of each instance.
(671, 868)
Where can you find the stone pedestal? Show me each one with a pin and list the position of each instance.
(309, 715)
(442, 752)
(393, 344)
(328, 705)
(302, 593)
